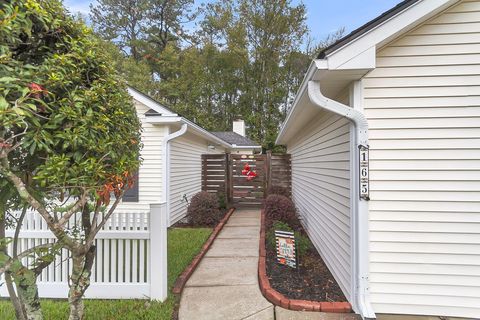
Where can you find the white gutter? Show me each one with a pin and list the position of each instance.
(166, 166)
(358, 118)
(361, 290)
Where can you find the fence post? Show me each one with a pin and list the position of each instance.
(228, 179)
(268, 171)
(158, 252)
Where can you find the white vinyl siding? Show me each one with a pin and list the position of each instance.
(423, 107)
(321, 190)
(186, 172)
(150, 172)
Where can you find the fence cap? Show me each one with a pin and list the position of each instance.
(159, 204)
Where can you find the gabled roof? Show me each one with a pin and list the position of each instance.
(366, 27)
(353, 56)
(158, 113)
(150, 102)
(235, 139)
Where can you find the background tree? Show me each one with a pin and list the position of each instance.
(69, 135)
(122, 22)
(244, 58)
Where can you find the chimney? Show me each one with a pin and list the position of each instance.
(239, 127)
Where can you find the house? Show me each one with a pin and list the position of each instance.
(239, 141)
(384, 137)
(171, 167)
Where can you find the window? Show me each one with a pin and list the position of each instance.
(131, 195)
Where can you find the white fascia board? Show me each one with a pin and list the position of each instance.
(157, 119)
(385, 32)
(194, 128)
(149, 102)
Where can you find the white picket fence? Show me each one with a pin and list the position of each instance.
(130, 263)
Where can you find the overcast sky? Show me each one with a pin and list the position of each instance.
(324, 16)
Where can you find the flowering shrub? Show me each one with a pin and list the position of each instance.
(280, 208)
(204, 210)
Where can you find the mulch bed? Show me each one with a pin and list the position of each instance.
(185, 224)
(310, 281)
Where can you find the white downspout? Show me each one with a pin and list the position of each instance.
(166, 167)
(361, 286)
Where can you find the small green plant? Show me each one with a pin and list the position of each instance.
(302, 242)
(222, 201)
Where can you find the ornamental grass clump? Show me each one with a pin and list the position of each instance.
(204, 210)
(281, 208)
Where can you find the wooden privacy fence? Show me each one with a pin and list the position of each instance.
(215, 173)
(280, 171)
(222, 173)
(130, 262)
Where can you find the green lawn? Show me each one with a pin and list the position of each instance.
(183, 245)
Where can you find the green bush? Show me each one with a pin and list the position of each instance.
(302, 242)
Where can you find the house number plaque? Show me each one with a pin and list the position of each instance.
(364, 173)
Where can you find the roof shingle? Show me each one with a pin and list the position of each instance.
(234, 138)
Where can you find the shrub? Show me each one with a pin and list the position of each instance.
(280, 208)
(302, 242)
(279, 190)
(204, 210)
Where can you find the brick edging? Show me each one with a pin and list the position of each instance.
(182, 279)
(279, 299)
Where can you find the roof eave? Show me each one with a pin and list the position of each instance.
(375, 35)
(234, 146)
(359, 53)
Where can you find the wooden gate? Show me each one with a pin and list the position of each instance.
(248, 179)
(227, 174)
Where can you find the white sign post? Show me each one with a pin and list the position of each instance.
(364, 173)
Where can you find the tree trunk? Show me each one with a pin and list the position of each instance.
(20, 312)
(79, 282)
(17, 305)
(26, 282)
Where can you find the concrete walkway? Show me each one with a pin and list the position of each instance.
(225, 284)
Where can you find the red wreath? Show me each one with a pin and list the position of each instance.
(247, 172)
